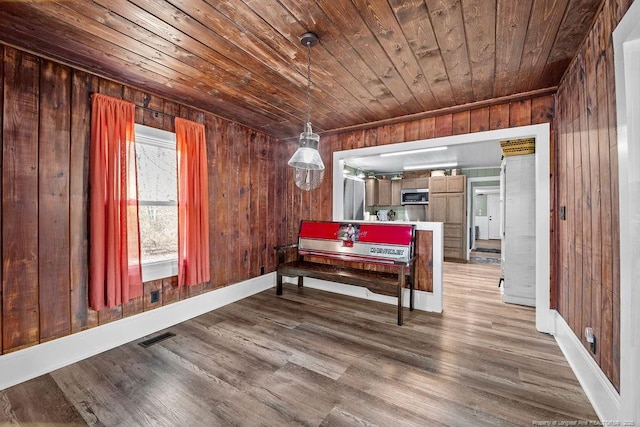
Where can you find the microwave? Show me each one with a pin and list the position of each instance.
(415, 196)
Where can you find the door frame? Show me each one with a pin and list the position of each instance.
(542, 134)
(470, 216)
(626, 45)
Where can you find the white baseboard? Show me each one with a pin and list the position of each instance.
(40, 359)
(603, 396)
(425, 301)
(510, 299)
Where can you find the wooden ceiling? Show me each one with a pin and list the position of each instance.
(242, 59)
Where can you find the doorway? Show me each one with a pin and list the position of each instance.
(478, 190)
(541, 132)
(487, 245)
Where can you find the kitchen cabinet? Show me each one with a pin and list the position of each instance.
(371, 192)
(447, 208)
(456, 212)
(387, 192)
(519, 237)
(451, 209)
(409, 183)
(396, 192)
(456, 183)
(419, 182)
(447, 184)
(384, 192)
(437, 184)
(438, 207)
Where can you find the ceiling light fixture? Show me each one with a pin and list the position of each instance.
(309, 168)
(432, 166)
(421, 150)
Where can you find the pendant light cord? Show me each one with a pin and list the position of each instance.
(309, 82)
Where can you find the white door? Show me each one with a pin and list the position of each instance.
(495, 217)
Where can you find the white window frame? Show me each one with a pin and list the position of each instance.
(155, 270)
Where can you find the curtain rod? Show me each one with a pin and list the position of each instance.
(156, 112)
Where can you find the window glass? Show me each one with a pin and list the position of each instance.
(157, 194)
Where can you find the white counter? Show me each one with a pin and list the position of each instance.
(420, 225)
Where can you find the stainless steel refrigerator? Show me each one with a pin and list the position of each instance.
(353, 198)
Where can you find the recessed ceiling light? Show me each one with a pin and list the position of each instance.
(431, 166)
(421, 150)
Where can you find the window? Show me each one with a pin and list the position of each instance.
(157, 201)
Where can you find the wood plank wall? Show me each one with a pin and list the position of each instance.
(45, 124)
(587, 185)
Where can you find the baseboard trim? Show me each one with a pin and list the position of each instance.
(603, 396)
(43, 358)
(425, 301)
(508, 299)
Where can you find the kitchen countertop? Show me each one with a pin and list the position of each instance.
(420, 225)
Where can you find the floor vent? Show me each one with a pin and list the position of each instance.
(157, 339)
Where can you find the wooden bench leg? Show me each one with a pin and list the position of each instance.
(278, 284)
(401, 282)
(412, 285)
(411, 289)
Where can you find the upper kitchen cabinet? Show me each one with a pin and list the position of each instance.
(388, 192)
(371, 192)
(419, 182)
(396, 192)
(456, 183)
(447, 184)
(384, 192)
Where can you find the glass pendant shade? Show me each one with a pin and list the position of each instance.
(308, 179)
(309, 168)
(307, 155)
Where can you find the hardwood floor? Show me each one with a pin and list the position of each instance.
(316, 358)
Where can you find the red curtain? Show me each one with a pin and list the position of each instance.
(193, 204)
(115, 274)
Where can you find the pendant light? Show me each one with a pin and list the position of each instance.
(309, 168)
